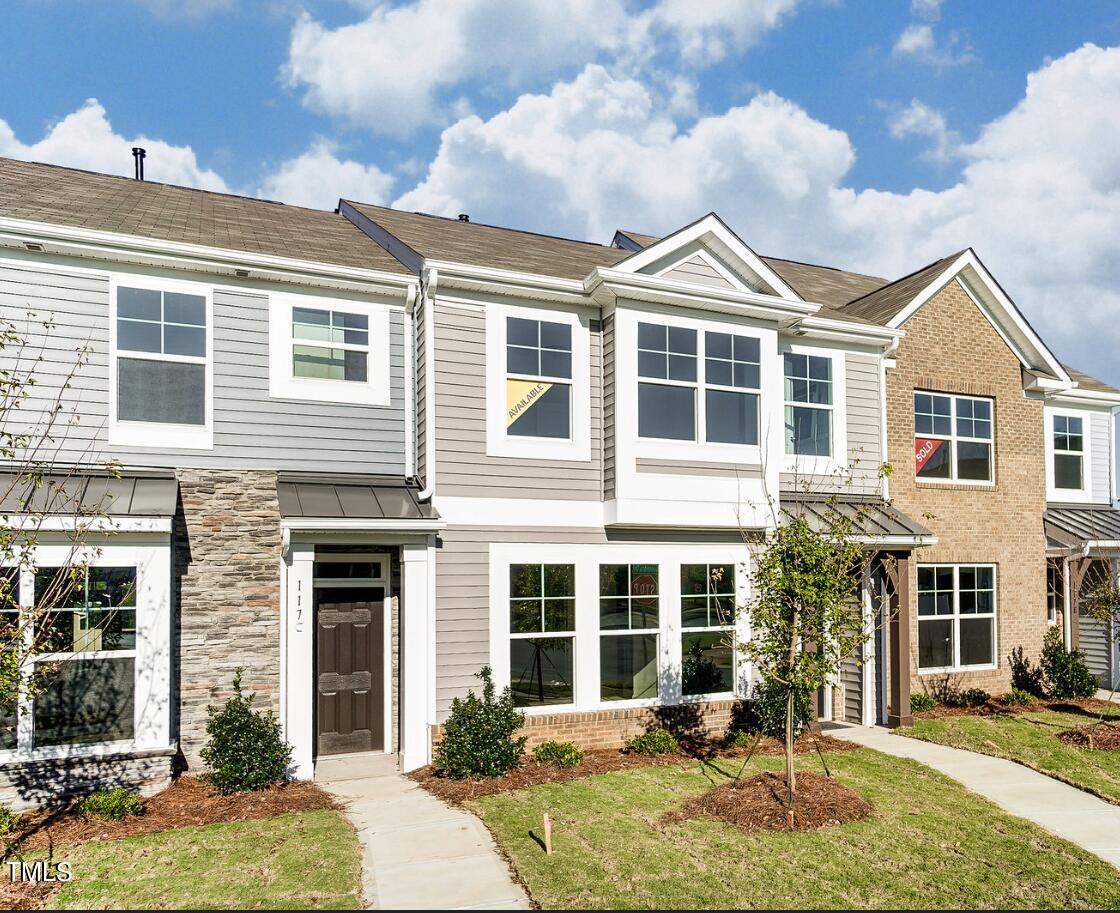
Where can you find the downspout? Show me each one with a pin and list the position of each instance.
(410, 383)
(428, 293)
(1067, 616)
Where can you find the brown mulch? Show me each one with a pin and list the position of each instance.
(607, 760)
(189, 801)
(25, 895)
(759, 804)
(1096, 737)
(993, 708)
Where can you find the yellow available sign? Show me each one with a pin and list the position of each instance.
(520, 396)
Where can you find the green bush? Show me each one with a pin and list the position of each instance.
(562, 754)
(738, 738)
(656, 741)
(1017, 697)
(111, 804)
(245, 750)
(1064, 671)
(478, 737)
(972, 697)
(1024, 676)
(920, 702)
(9, 820)
(768, 709)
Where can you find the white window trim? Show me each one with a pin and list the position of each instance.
(282, 381)
(956, 617)
(162, 435)
(837, 462)
(1085, 493)
(500, 444)
(955, 438)
(587, 558)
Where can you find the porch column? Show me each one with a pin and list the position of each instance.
(298, 660)
(417, 616)
(898, 713)
(1078, 569)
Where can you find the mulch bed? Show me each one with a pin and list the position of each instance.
(189, 801)
(994, 708)
(759, 804)
(607, 760)
(1096, 737)
(25, 895)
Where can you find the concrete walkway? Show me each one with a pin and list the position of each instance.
(418, 853)
(1070, 813)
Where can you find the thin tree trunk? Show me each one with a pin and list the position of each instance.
(790, 687)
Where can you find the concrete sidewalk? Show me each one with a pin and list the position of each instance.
(1072, 814)
(418, 853)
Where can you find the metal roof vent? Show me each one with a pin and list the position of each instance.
(138, 160)
(463, 217)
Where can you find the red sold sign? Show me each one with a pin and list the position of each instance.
(924, 449)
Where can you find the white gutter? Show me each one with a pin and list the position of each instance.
(360, 524)
(429, 304)
(409, 383)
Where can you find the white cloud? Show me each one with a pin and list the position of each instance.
(919, 119)
(318, 178)
(929, 10)
(402, 66)
(86, 139)
(919, 43)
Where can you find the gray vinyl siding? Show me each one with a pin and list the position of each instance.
(696, 270)
(250, 430)
(851, 677)
(421, 392)
(685, 468)
(1101, 455)
(608, 408)
(463, 467)
(1093, 641)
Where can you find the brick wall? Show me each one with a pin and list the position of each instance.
(227, 593)
(950, 347)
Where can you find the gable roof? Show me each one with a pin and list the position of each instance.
(36, 192)
(885, 303)
(440, 238)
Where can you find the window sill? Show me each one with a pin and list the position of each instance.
(991, 667)
(102, 751)
(950, 485)
(160, 437)
(345, 393)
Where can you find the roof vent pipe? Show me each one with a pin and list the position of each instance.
(138, 158)
(463, 217)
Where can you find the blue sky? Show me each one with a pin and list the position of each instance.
(871, 135)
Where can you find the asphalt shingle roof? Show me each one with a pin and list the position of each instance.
(1086, 382)
(883, 304)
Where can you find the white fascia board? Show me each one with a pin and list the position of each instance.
(712, 229)
(507, 282)
(968, 263)
(23, 523)
(82, 242)
(358, 524)
(816, 327)
(605, 285)
(1080, 397)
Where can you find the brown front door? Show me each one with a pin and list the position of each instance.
(350, 677)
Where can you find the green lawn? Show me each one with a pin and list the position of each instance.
(296, 861)
(1029, 738)
(931, 844)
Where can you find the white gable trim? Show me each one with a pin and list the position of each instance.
(1000, 310)
(713, 233)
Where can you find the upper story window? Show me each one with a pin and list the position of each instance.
(809, 404)
(538, 378)
(953, 438)
(330, 345)
(669, 383)
(1069, 452)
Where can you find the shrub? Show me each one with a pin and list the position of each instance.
(562, 754)
(1017, 697)
(245, 750)
(478, 737)
(1064, 671)
(920, 702)
(769, 709)
(738, 738)
(656, 741)
(1024, 676)
(111, 804)
(973, 697)
(9, 820)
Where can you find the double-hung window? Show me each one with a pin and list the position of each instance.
(731, 388)
(809, 405)
(538, 378)
(629, 618)
(542, 622)
(1069, 453)
(667, 382)
(956, 616)
(953, 438)
(707, 628)
(330, 345)
(160, 360)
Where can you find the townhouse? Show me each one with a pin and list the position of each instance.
(366, 452)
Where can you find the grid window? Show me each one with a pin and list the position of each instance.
(629, 617)
(956, 616)
(667, 408)
(1069, 452)
(809, 400)
(953, 438)
(330, 345)
(538, 378)
(707, 628)
(731, 366)
(542, 601)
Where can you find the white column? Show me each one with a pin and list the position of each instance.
(417, 611)
(297, 712)
(153, 645)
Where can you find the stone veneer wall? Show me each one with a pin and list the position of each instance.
(227, 594)
(950, 347)
(34, 784)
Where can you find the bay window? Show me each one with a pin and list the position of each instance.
(956, 616)
(1069, 453)
(629, 619)
(953, 438)
(542, 613)
(538, 378)
(809, 402)
(707, 628)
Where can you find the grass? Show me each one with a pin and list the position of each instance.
(307, 860)
(930, 844)
(1029, 738)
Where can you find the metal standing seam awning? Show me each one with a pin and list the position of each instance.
(86, 496)
(1080, 529)
(356, 502)
(876, 522)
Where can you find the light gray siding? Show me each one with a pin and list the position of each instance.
(421, 391)
(1101, 455)
(250, 429)
(608, 408)
(1093, 641)
(696, 270)
(851, 677)
(464, 469)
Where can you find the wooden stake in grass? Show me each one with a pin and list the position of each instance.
(547, 834)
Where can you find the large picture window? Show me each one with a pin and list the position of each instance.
(1069, 453)
(538, 378)
(542, 615)
(707, 628)
(808, 405)
(953, 438)
(956, 616)
(629, 616)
